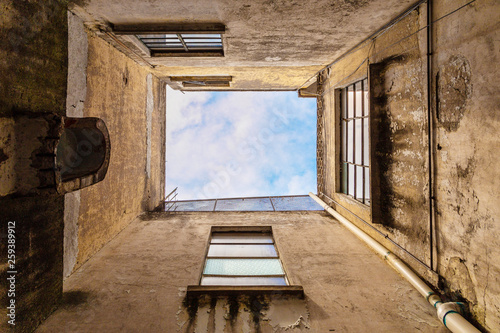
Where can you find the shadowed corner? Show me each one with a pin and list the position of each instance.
(74, 298)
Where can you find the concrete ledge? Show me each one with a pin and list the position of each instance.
(195, 291)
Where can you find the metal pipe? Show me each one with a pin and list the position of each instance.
(430, 136)
(386, 236)
(448, 313)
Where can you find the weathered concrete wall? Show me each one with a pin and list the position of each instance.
(128, 99)
(466, 122)
(138, 281)
(33, 71)
(467, 159)
(267, 44)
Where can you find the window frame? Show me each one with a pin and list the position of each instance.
(198, 290)
(129, 34)
(241, 231)
(344, 185)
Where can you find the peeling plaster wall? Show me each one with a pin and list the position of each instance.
(33, 73)
(467, 159)
(138, 282)
(128, 99)
(268, 44)
(466, 121)
(265, 313)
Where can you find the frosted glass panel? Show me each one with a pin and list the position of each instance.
(367, 186)
(350, 101)
(244, 204)
(295, 203)
(350, 142)
(262, 250)
(359, 100)
(242, 281)
(192, 206)
(241, 237)
(243, 267)
(358, 142)
(351, 180)
(359, 183)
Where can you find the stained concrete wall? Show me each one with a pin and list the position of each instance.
(138, 281)
(131, 102)
(33, 72)
(267, 44)
(466, 122)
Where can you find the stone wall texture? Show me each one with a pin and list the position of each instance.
(465, 120)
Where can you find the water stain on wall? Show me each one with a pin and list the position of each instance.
(454, 89)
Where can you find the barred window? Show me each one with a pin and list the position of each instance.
(355, 141)
(183, 44)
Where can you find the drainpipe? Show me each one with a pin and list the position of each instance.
(430, 136)
(448, 313)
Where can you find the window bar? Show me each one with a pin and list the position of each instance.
(363, 135)
(183, 42)
(354, 134)
(346, 190)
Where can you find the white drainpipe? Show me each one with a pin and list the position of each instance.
(449, 313)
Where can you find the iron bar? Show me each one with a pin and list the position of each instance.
(183, 43)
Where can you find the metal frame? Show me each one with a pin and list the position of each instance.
(235, 231)
(166, 203)
(345, 102)
(182, 44)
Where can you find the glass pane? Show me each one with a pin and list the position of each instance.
(201, 35)
(191, 206)
(242, 281)
(344, 138)
(351, 179)
(161, 40)
(350, 101)
(243, 267)
(367, 186)
(359, 100)
(164, 45)
(203, 44)
(241, 237)
(344, 178)
(350, 143)
(295, 203)
(202, 40)
(366, 140)
(359, 183)
(237, 250)
(157, 36)
(365, 96)
(343, 101)
(359, 143)
(253, 204)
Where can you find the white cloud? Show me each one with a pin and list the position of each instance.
(240, 144)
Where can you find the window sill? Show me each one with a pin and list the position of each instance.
(196, 291)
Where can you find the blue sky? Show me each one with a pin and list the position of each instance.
(237, 144)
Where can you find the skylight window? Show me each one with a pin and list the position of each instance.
(183, 44)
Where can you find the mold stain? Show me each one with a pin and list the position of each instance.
(453, 92)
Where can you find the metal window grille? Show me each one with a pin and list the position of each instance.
(243, 258)
(182, 43)
(355, 140)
